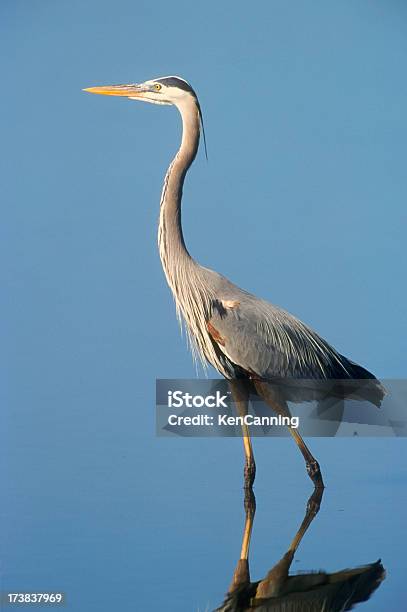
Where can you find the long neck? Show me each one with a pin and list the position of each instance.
(173, 252)
(186, 278)
(189, 282)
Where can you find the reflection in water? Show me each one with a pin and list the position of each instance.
(306, 592)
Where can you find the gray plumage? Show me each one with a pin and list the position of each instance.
(257, 338)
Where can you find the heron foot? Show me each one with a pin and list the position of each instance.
(249, 473)
(314, 472)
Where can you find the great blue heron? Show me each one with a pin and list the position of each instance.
(248, 340)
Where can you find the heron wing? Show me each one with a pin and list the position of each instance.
(268, 342)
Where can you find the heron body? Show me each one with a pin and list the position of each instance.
(240, 335)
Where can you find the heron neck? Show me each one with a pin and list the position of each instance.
(173, 252)
(188, 281)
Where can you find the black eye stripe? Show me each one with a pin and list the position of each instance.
(174, 82)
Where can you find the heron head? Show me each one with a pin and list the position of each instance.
(164, 90)
(170, 90)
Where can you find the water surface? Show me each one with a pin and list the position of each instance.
(96, 506)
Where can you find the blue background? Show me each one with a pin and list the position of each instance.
(303, 202)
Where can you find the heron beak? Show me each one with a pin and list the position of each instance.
(128, 91)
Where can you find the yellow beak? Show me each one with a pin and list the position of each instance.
(128, 91)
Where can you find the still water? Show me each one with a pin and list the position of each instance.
(98, 507)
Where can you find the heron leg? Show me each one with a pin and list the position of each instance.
(241, 575)
(271, 397)
(312, 510)
(276, 580)
(240, 394)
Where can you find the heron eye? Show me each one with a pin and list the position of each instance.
(157, 87)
